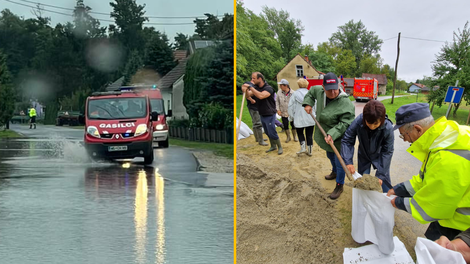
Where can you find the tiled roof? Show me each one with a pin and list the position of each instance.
(179, 54)
(382, 78)
(172, 76)
(115, 85)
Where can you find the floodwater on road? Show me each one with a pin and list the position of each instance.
(56, 206)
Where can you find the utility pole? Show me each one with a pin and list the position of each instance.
(396, 66)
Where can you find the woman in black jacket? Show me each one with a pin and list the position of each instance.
(375, 133)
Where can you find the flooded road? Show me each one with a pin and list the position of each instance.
(58, 207)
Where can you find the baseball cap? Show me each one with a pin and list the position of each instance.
(283, 81)
(330, 81)
(411, 113)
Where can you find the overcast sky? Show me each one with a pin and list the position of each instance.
(425, 19)
(180, 8)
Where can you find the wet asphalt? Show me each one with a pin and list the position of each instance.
(56, 206)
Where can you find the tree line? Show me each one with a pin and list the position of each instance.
(62, 64)
(268, 41)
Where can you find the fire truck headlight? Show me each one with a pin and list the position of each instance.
(160, 127)
(92, 130)
(141, 129)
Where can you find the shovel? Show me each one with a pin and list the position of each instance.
(335, 150)
(240, 117)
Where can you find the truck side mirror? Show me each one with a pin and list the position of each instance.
(154, 116)
(170, 113)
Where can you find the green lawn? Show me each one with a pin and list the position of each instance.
(225, 150)
(246, 118)
(461, 117)
(8, 134)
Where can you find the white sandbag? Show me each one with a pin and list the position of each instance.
(429, 252)
(373, 219)
(371, 254)
(245, 131)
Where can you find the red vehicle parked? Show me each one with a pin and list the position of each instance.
(365, 89)
(118, 125)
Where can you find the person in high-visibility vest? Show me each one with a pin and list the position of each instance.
(32, 116)
(440, 193)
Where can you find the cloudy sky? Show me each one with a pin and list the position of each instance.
(424, 19)
(159, 8)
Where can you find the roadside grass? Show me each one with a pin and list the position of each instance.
(9, 134)
(225, 150)
(246, 118)
(460, 117)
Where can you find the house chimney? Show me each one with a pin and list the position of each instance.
(306, 58)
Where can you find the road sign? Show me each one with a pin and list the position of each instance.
(454, 95)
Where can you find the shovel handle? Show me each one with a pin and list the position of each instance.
(240, 117)
(332, 144)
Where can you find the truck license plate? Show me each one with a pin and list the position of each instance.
(117, 148)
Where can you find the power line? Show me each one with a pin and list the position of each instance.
(389, 39)
(107, 14)
(425, 39)
(105, 20)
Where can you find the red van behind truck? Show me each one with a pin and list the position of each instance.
(118, 125)
(160, 125)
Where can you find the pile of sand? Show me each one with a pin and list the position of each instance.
(368, 182)
(282, 218)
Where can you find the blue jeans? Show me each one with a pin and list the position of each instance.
(269, 126)
(385, 188)
(337, 168)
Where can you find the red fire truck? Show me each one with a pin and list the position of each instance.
(365, 89)
(118, 125)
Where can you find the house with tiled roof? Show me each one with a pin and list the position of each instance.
(297, 68)
(418, 87)
(172, 86)
(381, 78)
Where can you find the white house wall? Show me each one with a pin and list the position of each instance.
(179, 111)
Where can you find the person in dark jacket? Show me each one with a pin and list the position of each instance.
(266, 107)
(375, 133)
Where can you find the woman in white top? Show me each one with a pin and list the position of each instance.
(302, 120)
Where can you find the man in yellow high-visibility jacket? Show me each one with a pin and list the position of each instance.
(440, 193)
(32, 116)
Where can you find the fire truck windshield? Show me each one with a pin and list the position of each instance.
(157, 106)
(117, 108)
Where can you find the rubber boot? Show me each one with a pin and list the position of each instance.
(260, 138)
(273, 145)
(282, 128)
(332, 176)
(302, 148)
(294, 134)
(255, 133)
(337, 192)
(30, 126)
(310, 150)
(278, 143)
(34, 126)
(288, 135)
